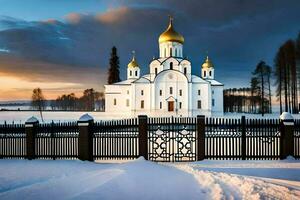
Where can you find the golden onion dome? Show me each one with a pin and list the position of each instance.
(170, 35)
(133, 63)
(207, 63)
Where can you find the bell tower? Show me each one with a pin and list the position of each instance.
(207, 69)
(133, 69)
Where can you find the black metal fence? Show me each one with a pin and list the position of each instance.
(157, 139)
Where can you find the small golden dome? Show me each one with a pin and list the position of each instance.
(207, 63)
(170, 35)
(133, 63)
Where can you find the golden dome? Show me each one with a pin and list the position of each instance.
(207, 63)
(133, 63)
(170, 35)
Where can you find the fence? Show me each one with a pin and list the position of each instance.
(157, 139)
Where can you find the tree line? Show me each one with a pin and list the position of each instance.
(69, 102)
(254, 99)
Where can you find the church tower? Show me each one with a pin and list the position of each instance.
(133, 69)
(207, 69)
(170, 42)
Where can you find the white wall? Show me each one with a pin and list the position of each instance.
(217, 94)
(118, 92)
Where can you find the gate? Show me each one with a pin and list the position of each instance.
(172, 139)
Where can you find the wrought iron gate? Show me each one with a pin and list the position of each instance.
(172, 139)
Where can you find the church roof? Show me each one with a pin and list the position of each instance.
(214, 82)
(170, 35)
(207, 63)
(133, 63)
(126, 82)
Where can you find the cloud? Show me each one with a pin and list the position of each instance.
(113, 15)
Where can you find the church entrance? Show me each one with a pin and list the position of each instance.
(170, 106)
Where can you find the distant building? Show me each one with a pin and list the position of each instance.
(169, 89)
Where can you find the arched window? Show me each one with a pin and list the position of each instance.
(209, 73)
(171, 90)
(136, 73)
(171, 65)
(155, 71)
(130, 72)
(204, 74)
(184, 70)
(115, 102)
(170, 51)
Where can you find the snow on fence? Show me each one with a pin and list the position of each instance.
(157, 139)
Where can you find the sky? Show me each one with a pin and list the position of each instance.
(63, 46)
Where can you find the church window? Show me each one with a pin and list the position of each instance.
(160, 92)
(127, 91)
(199, 92)
(115, 102)
(171, 65)
(209, 73)
(155, 71)
(170, 51)
(199, 104)
(213, 102)
(213, 92)
(180, 92)
(180, 105)
(130, 72)
(204, 73)
(142, 104)
(171, 90)
(184, 71)
(127, 102)
(136, 73)
(142, 92)
(160, 105)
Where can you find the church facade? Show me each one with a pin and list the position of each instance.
(170, 89)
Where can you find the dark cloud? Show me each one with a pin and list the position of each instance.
(236, 33)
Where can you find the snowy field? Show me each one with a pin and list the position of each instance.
(22, 116)
(140, 179)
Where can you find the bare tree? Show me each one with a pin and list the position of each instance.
(38, 101)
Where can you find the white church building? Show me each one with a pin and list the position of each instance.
(170, 89)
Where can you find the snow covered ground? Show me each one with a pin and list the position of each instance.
(22, 116)
(140, 179)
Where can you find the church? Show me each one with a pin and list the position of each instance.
(170, 89)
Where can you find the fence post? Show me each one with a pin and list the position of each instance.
(287, 135)
(31, 126)
(243, 129)
(201, 137)
(143, 139)
(85, 140)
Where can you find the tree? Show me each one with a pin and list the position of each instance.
(38, 101)
(286, 75)
(114, 68)
(262, 74)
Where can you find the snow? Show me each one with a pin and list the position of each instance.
(32, 120)
(286, 116)
(141, 179)
(86, 117)
(247, 179)
(59, 116)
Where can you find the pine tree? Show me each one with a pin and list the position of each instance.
(114, 68)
